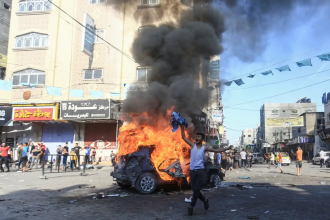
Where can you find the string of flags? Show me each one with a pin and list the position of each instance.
(302, 63)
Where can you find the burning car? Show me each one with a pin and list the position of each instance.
(136, 169)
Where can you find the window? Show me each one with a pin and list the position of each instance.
(275, 112)
(101, 33)
(244, 135)
(319, 121)
(33, 5)
(149, 2)
(144, 29)
(294, 111)
(31, 76)
(31, 40)
(249, 135)
(93, 74)
(143, 73)
(187, 2)
(97, 1)
(299, 130)
(6, 6)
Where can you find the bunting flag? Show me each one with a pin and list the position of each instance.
(115, 94)
(96, 94)
(77, 93)
(307, 62)
(55, 91)
(228, 83)
(324, 57)
(251, 75)
(6, 85)
(284, 68)
(239, 82)
(32, 86)
(267, 73)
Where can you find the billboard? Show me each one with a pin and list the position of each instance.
(3, 60)
(87, 109)
(88, 35)
(214, 68)
(285, 122)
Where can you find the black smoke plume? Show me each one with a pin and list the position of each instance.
(174, 52)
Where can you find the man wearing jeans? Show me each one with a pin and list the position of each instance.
(322, 156)
(243, 158)
(35, 157)
(197, 169)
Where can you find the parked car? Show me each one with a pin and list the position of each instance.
(137, 170)
(258, 158)
(286, 159)
(316, 158)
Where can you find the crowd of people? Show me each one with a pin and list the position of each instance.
(30, 155)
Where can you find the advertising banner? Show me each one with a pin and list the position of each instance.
(46, 113)
(217, 116)
(285, 122)
(6, 113)
(88, 35)
(324, 134)
(87, 109)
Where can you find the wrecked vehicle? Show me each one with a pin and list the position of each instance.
(137, 170)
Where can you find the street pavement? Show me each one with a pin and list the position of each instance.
(272, 196)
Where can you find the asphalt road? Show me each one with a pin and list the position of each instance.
(272, 196)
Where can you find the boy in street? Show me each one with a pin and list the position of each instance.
(322, 156)
(73, 159)
(77, 150)
(93, 156)
(4, 158)
(197, 169)
(24, 159)
(298, 155)
(87, 155)
(280, 161)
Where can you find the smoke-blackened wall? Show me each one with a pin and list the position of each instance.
(174, 52)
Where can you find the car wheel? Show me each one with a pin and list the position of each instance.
(124, 186)
(313, 162)
(146, 183)
(215, 180)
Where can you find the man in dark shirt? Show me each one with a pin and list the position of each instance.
(59, 154)
(66, 147)
(77, 150)
(35, 154)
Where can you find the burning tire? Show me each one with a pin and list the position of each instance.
(146, 183)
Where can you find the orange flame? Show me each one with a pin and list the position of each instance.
(168, 145)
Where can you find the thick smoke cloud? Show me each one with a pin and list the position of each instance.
(250, 22)
(174, 52)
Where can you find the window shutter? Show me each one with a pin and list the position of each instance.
(88, 74)
(97, 74)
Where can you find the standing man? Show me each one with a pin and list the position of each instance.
(322, 156)
(197, 169)
(36, 156)
(77, 150)
(25, 155)
(113, 157)
(280, 161)
(19, 155)
(298, 155)
(94, 156)
(224, 160)
(59, 151)
(4, 158)
(236, 159)
(243, 158)
(87, 155)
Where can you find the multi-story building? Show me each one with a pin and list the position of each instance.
(5, 8)
(277, 120)
(53, 59)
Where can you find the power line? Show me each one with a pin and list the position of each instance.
(114, 47)
(279, 94)
(265, 110)
(282, 61)
(259, 85)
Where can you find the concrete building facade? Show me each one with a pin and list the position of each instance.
(5, 11)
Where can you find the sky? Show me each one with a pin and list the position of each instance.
(301, 31)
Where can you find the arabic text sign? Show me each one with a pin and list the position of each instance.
(6, 113)
(88, 35)
(87, 109)
(34, 113)
(285, 122)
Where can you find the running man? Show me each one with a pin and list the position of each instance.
(280, 161)
(298, 155)
(197, 169)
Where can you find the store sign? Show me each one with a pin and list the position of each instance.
(285, 122)
(217, 115)
(88, 35)
(34, 113)
(6, 113)
(87, 109)
(134, 87)
(324, 134)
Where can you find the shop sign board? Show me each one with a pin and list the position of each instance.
(85, 109)
(37, 113)
(285, 122)
(6, 113)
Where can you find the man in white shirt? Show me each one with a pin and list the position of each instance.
(243, 158)
(322, 157)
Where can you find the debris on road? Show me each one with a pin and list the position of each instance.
(188, 199)
(233, 210)
(72, 201)
(252, 197)
(244, 177)
(253, 217)
(266, 212)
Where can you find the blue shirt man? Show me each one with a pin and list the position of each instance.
(219, 158)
